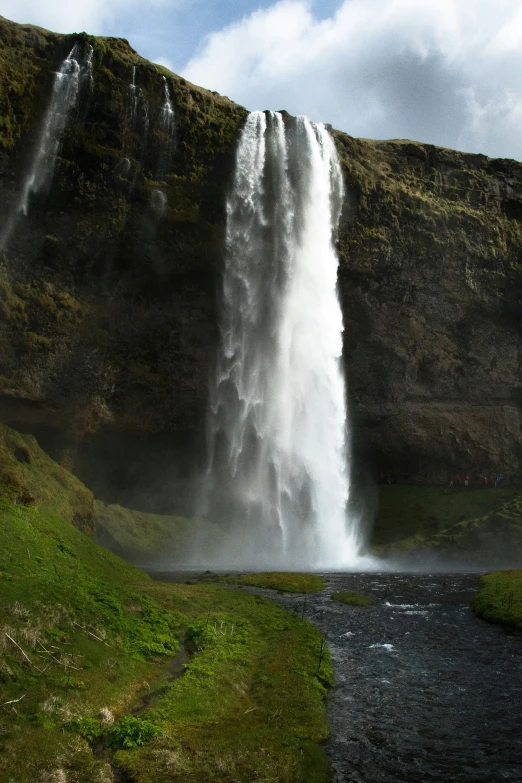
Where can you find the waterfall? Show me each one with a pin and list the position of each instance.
(86, 71)
(138, 120)
(167, 112)
(279, 471)
(143, 124)
(167, 129)
(132, 107)
(63, 97)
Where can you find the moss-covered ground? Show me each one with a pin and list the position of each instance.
(352, 599)
(406, 511)
(500, 599)
(140, 536)
(90, 663)
(476, 526)
(285, 581)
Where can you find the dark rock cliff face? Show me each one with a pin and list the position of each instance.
(109, 304)
(430, 278)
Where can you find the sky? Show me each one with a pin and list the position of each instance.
(446, 72)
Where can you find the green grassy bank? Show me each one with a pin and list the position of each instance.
(89, 663)
(287, 582)
(500, 599)
(352, 599)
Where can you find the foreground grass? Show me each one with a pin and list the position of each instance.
(84, 636)
(352, 599)
(500, 599)
(88, 644)
(287, 582)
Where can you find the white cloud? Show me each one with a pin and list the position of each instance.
(446, 72)
(61, 16)
(68, 16)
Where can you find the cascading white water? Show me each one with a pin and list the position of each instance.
(166, 148)
(63, 98)
(279, 471)
(132, 106)
(86, 73)
(138, 118)
(167, 111)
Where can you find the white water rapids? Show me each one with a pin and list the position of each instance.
(279, 471)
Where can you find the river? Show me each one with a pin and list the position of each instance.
(425, 691)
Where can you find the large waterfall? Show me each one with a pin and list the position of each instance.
(279, 472)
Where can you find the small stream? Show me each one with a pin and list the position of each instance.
(425, 690)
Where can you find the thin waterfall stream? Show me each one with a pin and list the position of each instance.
(278, 431)
(64, 95)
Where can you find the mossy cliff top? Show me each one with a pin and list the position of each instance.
(110, 293)
(30, 56)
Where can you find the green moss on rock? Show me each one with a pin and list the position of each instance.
(352, 599)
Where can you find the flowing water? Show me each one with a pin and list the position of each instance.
(132, 102)
(425, 691)
(167, 110)
(63, 97)
(138, 119)
(278, 425)
(167, 126)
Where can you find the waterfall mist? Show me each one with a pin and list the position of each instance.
(278, 474)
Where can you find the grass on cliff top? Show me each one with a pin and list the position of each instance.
(287, 582)
(352, 599)
(500, 599)
(406, 511)
(87, 639)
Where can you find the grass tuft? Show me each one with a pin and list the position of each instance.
(286, 582)
(500, 599)
(352, 599)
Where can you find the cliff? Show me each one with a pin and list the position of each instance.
(109, 297)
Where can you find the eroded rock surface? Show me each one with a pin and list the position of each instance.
(109, 292)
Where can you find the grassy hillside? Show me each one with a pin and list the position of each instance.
(38, 480)
(287, 582)
(482, 527)
(91, 650)
(406, 511)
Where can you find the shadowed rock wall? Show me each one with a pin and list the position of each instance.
(109, 305)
